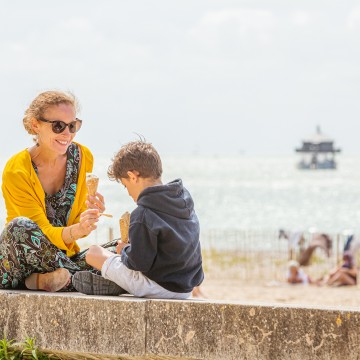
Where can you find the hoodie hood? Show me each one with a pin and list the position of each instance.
(171, 198)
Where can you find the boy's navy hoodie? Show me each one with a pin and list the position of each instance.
(164, 238)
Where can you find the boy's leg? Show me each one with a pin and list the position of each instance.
(114, 270)
(89, 283)
(97, 255)
(134, 282)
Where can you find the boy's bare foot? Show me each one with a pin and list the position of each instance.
(197, 293)
(52, 281)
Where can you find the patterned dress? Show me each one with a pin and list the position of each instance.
(24, 248)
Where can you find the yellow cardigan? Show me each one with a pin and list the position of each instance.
(24, 196)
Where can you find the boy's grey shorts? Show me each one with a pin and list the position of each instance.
(134, 282)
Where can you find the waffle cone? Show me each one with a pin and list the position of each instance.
(92, 182)
(124, 227)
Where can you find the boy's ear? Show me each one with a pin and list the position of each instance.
(133, 175)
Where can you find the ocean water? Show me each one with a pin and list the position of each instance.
(249, 194)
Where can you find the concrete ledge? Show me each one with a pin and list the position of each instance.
(131, 328)
(75, 322)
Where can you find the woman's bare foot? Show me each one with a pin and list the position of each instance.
(52, 281)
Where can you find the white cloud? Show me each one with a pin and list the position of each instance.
(74, 45)
(77, 24)
(239, 23)
(247, 19)
(300, 18)
(353, 19)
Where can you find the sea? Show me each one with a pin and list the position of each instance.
(247, 193)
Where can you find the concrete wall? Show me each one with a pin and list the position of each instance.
(157, 329)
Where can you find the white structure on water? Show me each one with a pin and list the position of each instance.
(318, 152)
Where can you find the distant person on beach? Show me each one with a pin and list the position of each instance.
(163, 257)
(344, 274)
(296, 275)
(46, 199)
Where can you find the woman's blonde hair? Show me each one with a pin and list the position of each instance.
(43, 102)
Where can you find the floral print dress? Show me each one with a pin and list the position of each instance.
(24, 248)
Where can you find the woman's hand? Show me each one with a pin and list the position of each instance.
(120, 246)
(88, 220)
(95, 202)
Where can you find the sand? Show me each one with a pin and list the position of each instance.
(281, 293)
(261, 278)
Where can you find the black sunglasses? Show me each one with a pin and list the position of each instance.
(59, 126)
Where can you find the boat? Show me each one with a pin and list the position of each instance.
(318, 152)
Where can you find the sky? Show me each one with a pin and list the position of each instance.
(199, 77)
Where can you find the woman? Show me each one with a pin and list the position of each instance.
(345, 274)
(46, 199)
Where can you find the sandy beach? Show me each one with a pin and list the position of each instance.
(281, 293)
(232, 276)
(259, 277)
(226, 285)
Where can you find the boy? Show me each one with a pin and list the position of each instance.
(163, 257)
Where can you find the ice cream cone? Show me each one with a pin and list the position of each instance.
(124, 227)
(92, 182)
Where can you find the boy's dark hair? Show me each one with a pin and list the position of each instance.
(139, 156)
